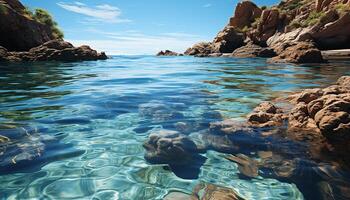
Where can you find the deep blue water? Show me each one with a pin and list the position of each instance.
(76, 129)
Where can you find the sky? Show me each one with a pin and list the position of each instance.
(124, 27)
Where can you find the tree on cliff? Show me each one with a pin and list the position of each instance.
(42, 16)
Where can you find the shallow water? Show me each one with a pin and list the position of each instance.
(76, 129)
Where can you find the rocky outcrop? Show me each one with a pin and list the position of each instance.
(227, 40)
(252, 50)
(334, 33)
(269, 22)
(168, 53)
(18, 30)
(203, 48)
(54, 50)
(302, 52)
(323, 24)
(245, 14)
(325, 111)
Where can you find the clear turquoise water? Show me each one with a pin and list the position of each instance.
(76, 129)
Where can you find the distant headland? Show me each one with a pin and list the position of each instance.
(294, 31)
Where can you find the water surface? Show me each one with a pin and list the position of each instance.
(76, 129)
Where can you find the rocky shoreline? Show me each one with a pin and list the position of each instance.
(28, 36)
(293, 31)
(318, 118)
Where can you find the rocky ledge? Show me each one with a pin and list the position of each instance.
(296, 31)
(54, 50)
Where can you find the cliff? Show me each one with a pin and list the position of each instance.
(295, 29)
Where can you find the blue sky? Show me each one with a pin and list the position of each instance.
(140, 26)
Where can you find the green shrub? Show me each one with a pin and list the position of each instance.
(313, 18)
(294, 5)
(342, 8)
(42, 16)
(3, 9)
(256, 22)
(28, 13)
(295, 24)
(263, 7)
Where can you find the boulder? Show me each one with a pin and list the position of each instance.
(204, 48)
(281, 41)
(334, 118)
(266, 115)
(227, 40)
(169, 147)
(299, 119)
(302, 52)
(252, 50)
(18, 31)
(168, 53)
(245, 14)
(344, 81)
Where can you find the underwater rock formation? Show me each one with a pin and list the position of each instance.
(169, 147)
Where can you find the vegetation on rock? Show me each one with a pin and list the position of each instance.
(42, 16)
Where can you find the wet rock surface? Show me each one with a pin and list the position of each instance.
(252, 51)
(54, 50)
(206, 191)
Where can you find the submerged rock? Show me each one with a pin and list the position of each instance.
(206, 191)
(54, 50)
(246, 165)
(169, 147)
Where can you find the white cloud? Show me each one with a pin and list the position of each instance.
(102, 13)
(207, 5)
(137, 43)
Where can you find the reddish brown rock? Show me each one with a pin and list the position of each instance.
(302, 52)
(299, 119)
(227, 40)
(245, 14)
(266, 115)
(204, 48)
(251, 51)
